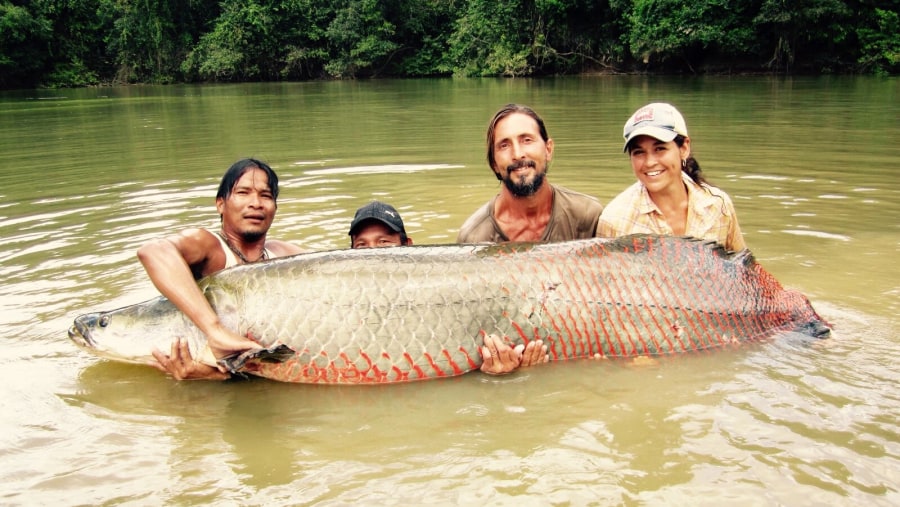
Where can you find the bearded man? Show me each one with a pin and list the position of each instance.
(528, 207)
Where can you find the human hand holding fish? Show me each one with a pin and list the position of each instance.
(534, 353)
(182, 365)
(500, 358)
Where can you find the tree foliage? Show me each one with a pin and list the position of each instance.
(804, 31)
(666, 30)
(85, 42)
(880, 42)
(360, 38)
(23, 37)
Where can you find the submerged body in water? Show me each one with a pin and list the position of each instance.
(414, 313)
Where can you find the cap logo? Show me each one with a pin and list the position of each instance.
(645, 114)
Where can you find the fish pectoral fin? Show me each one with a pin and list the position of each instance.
(274, 354)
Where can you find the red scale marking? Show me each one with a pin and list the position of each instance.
(399, 375)
(662, 328)
(472, 363)
(614, 313)
(582, 325)
(453, 365)
(693, 321)
(696, 341)
(558, 336)
(640, 338)
(521, 332)
(434, 366)
(634, 347)
(365, 357)
(647, 326)
(576, 345)
(415, 368)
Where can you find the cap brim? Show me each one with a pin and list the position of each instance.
(664, 135)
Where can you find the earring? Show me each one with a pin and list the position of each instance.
(683, 163)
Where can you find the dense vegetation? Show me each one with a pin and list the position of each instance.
(85, 42)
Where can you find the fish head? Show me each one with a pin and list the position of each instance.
(131, 333)
(81, 331)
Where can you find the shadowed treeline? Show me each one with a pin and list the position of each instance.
(61, 43)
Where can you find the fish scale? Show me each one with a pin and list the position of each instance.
(414, 313)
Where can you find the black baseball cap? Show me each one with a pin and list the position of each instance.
(377, 210)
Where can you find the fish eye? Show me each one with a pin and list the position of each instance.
(104, 321)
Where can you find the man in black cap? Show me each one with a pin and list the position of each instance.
(376, 225)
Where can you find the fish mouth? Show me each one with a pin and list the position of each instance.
(80, 332)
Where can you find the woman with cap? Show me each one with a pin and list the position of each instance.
(671, 196)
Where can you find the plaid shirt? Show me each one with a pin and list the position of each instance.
(711, 215)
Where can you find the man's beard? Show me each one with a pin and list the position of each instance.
(523, 188)
(252, 236)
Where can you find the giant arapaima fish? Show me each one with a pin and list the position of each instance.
(412, 313)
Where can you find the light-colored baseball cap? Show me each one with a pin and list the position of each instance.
(658, 120)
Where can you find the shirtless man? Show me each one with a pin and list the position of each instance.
(246, 202)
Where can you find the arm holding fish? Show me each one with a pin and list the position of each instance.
(500, 358)
(173, 265)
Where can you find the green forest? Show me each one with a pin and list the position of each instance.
(67, 43)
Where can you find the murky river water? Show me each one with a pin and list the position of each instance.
(89, 175)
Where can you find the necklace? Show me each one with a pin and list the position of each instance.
(240, 255)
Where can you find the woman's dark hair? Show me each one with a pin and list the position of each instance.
(503, 113)
(234, 173)
(691, 166)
